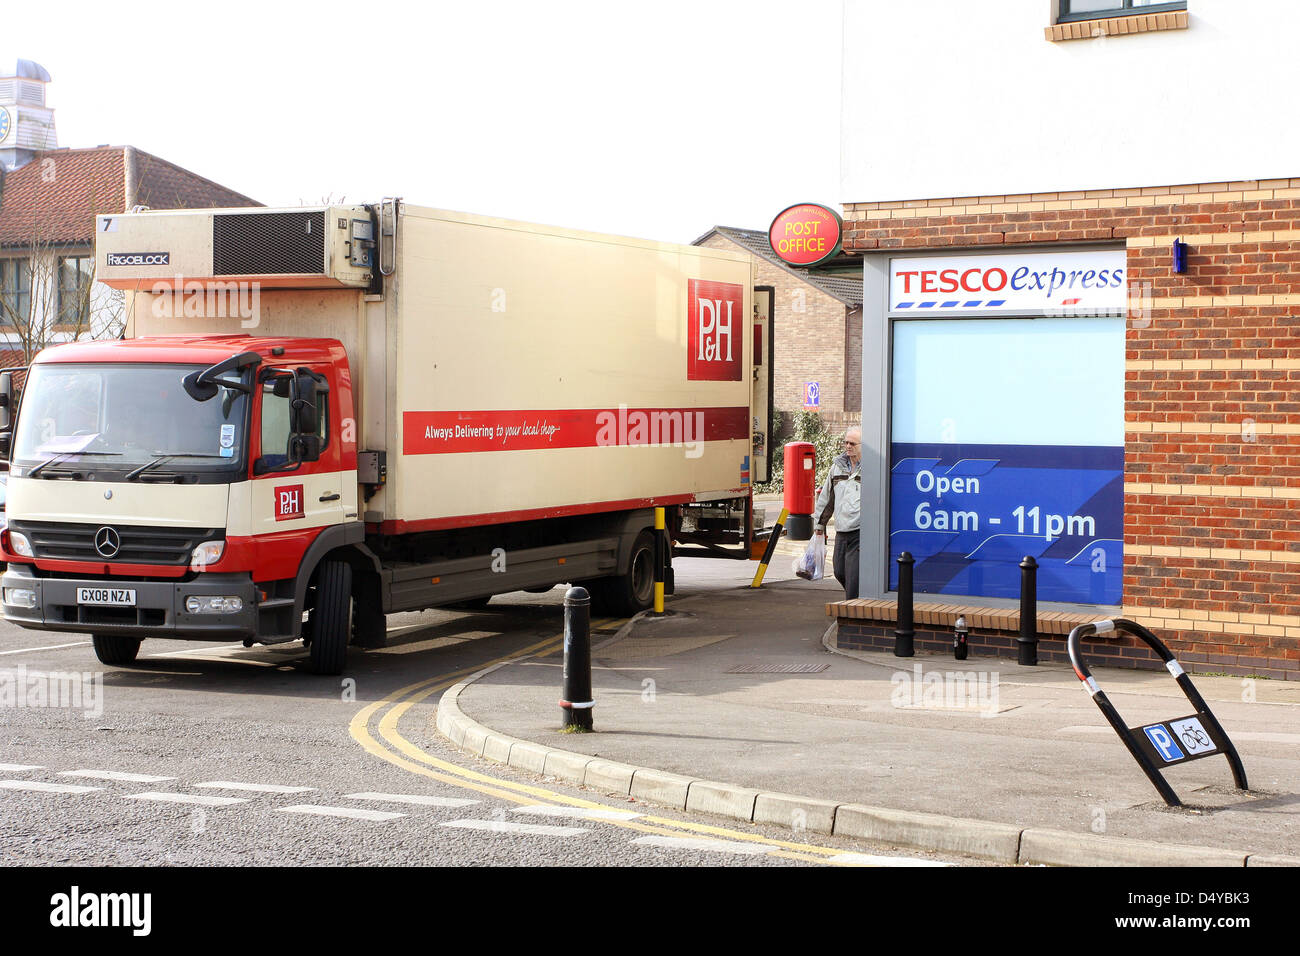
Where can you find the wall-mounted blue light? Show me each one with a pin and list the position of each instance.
(1180, 256)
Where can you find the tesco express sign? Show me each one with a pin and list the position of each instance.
(1089, 282)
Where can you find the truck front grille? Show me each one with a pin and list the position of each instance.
(140, 544)
(269, 243)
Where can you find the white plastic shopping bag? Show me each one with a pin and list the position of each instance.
(811, 565)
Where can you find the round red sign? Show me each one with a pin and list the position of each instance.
(806, 234)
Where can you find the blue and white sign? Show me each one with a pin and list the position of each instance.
(1008, 441)
(1164, 743)
(1077, 283)
(812, 396)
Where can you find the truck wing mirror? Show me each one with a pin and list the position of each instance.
(202, 385)
(7, 402)
(305, 448)
(304, 412)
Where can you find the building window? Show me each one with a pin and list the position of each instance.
(15, 291)
(1072, 10)
(75, 275)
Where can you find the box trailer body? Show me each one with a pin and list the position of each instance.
(412, 406)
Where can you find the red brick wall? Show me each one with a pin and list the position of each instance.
(1212, 435)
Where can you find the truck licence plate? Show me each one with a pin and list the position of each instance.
(120, 597)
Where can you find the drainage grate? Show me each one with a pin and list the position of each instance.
(778, 669)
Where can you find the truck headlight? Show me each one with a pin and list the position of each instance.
(20, 597)
(209, 552)
(214, 604)
(20, 544)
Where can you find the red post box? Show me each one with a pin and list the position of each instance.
(800, 489)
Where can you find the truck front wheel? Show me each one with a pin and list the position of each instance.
(634, 591)
(331, 617)
(115, 649)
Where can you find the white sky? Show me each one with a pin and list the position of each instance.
(657, 120)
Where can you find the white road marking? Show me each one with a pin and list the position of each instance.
(413, 798)
(44, 787)
(866, 859)
(194, 798)
(579, 813)
(253, 787)
(18, 767)
(701, 845)
(201, 649)
(114, 775)
(1259, 736)
(47, 647)
(353, 813)
(505, 826)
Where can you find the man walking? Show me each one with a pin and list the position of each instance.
(841, 495)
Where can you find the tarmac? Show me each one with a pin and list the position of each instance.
(735, 703)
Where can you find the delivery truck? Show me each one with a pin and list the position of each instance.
(317, 417)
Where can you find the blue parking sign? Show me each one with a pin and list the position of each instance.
(1164, 742)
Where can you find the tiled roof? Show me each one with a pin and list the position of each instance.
(54, 198)
(848, 291)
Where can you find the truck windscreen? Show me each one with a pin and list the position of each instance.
(118, 417)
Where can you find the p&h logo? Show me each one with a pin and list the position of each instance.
(288, 502)
(713, 312)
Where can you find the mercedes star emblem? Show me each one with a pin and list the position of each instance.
(107, 543)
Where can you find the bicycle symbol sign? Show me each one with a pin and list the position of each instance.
(1193, 736)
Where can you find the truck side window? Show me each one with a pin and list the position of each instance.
(275, 423)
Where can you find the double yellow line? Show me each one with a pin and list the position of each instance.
(402, 753)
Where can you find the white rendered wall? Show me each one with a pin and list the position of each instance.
(950, 98)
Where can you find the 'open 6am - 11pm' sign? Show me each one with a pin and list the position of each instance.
(806, 234)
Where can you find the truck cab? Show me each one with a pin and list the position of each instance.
(170, 486)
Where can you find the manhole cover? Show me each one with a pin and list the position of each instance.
(778, 669)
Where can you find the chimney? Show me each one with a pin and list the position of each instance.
(26, 124)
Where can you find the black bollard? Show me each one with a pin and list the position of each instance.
(960, 639)
(904, 633)
(1028, 639)
(575, 699)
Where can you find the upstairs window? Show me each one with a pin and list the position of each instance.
(75, 276)
(15, 292)
(1073, 10)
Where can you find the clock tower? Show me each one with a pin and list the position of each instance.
(26, 124)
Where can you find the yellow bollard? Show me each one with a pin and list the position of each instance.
(771, 549)
(661, 556)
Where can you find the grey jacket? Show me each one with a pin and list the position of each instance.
(848, 495)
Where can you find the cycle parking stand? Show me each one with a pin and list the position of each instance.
(1161, 745)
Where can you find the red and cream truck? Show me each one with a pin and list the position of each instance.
(320, 416)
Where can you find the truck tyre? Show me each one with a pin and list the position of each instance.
(331, 624)
(626, 594)
(369, 625)
(115, 649)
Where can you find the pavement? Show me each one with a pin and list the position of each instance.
(734, 704)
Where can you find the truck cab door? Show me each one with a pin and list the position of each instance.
(761, 399)
(311, 494)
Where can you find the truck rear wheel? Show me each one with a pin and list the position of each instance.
(331, 617)
(115, 649)
(626, 594)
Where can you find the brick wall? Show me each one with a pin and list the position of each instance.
(809, 336)
(1212, 474)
